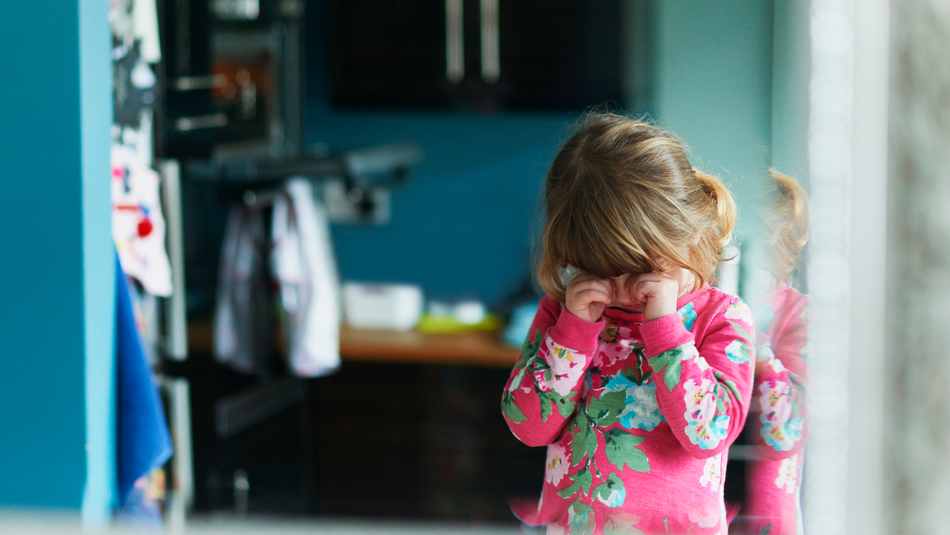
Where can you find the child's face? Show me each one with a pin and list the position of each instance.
(624, 293)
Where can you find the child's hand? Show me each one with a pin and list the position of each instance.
(587, 296)
(659, 290)
(657, 293)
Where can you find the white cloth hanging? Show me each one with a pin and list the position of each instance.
(145, 28)
(305, 267)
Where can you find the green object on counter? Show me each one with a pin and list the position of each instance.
(431, 324)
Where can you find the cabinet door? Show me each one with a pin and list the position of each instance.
(508, 54)
(387, 53)
(559, 54)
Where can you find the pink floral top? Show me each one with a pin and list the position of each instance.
(637, 417)
(778, 414)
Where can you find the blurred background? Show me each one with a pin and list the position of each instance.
(168, 130)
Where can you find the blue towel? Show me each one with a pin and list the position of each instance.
(144, 442)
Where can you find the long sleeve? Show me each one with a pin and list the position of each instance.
(779, 396)
(548, 380)
(703, 389)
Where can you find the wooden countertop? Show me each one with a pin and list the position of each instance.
(471, 348)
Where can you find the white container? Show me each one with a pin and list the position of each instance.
(382, 306)
(469, 312)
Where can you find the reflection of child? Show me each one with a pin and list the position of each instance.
(777, 420)
(637, 374)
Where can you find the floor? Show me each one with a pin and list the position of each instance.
(46, 523)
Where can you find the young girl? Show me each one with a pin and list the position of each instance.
(637, 374)
(778, 409)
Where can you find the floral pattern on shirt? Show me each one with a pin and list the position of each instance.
(580, 519)
(617, 343)
(532, 364)
(781, 415)
(705, 518)
(612, 493)
(788, 475)
(642, 410)
(737, 352)
(559, 460)
(712, 473)
(739, 311)
(566, 368)
(687, 315)
(691, 354)
(776, 365)
(622, 524)
(707, 425)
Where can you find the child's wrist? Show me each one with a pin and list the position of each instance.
(576, 333)
(650, 313)
(572, 311)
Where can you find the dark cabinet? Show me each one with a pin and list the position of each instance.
(387, 53)
(477, 54)
(230, 74)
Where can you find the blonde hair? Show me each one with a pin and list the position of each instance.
(787, 225)
(621, 195)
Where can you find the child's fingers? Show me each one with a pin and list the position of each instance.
(596, 284)
(592, 290)
(582, 283)
(648, 289)
(587, 296)
(594, 295)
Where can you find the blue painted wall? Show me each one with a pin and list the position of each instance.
(462, 226)
(95, 84)
(714, 87)
(790, 97)
(56, 274)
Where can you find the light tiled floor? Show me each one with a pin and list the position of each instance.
(48, 523)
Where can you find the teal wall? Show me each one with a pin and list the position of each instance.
(713, 73)
(56, 271)
(792, 60)
(462, 225)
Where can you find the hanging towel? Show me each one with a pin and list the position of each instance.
(145, 28)
(144, 442)
(243, 324)
(305, 268)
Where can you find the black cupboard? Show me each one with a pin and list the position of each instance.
(486, 55)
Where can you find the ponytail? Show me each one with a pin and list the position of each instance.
(788, 224)
(791, 203)
(722, 205)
